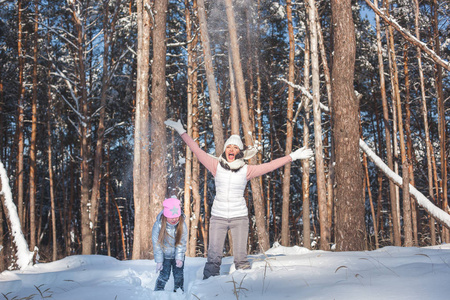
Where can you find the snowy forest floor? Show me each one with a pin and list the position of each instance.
(280, 273)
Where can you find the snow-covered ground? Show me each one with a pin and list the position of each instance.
(282, 273)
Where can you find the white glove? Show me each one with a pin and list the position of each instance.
(175, 125)
(159, 267)
(179, 263)
(302, 153)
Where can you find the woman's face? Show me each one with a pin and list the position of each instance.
(231, 151)
(173, 221)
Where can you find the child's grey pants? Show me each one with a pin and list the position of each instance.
(218, 230)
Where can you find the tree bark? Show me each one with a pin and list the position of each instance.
(395, 92)
(86, 225)
(409, 144)
(247, 124)
(387, 131)
(305, 162)
(107, 201)
(321, 180)
(350, 211)
(285, 232)
(20, 112)
(158, 180)
(141, 161)
(234, 108)
(50, 168)
(329, 164)
(33, 150)
(442, 121)
(425, 123)
(372, 209)
(188, 165)
(213, 95)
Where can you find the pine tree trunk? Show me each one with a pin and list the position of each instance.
(387, 129)
(409, 145)
(234, 108)
(305, 162)
(425, 123)
(33, 150)
(372, 209)
(395, 92)
(188, 165)
(408, 236)
(442, 121)
(285, 232)
(259, 109)
(195, 173)
(407, 223)
(247, 124)
(102, 114)
(87, 236)
(20, 112)
(329, 164)
(321, 180)
(141, 161)
(380, 220)
(350, 211)
(107, 201)
(212, 88)
(50, 170)
(158, 181)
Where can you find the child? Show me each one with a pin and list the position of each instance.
(169, 237)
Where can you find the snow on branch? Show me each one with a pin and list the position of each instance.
(433, 210)
(24, 256)
(409, 37)
(306, 93)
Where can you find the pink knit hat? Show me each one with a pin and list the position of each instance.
(172, 208)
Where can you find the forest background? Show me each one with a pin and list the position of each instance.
(86, 85)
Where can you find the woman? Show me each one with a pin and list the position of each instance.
(229, 210)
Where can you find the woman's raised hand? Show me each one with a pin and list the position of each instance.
(176, 126)
(302, 153)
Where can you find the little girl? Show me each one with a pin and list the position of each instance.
(169, 237)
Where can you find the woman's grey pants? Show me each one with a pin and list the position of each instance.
(218, 230)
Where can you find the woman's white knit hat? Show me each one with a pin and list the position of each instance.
(234, 140)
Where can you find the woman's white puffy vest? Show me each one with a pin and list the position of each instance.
(229, 201)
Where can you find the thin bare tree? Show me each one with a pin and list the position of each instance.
(387, 131)
(247, 125)
(305, 162)
(321, 180)
(212, 88)
(285, 230)
(20, 113)
(188, 165)
(442, 123)
(425, 122)
(33, 150)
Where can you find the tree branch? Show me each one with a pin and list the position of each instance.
(409, 37)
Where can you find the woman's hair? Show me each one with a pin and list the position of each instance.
(163, 232)
(227, 167)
